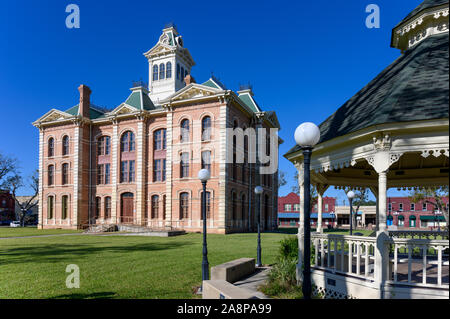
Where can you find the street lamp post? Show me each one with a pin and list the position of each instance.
(203, 176)
(350, 196)
(306, 136)
(258, 192)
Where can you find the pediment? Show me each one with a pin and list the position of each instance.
(54, 115)
(159, 49)
(194, 91)
(123, 109)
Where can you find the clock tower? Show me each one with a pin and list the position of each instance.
(169, 62)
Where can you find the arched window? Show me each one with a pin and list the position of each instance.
(184, 205)
(127, 142)
(155, 206)
(155, 73)
(412, 221)
(182, 74)
(65, 173)
(51, 174)
(185, 131)
(64, 206)
(51, 147)
(107, 207)
(178, 71)
(168, 70)
(159, 139)
(50, 206)
(65, 145)
(206, 160)
(162, 71)
(206, 128)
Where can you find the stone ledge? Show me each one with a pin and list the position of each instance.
(221, 289)
(234, 270)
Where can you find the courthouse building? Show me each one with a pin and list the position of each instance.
(138, 163)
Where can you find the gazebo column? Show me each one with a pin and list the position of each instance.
(375, 193)
(320, 191)
(382, 196)
(300, 232)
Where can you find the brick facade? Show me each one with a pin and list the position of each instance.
(126, 184)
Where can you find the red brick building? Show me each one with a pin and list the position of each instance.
(7, 208)
(403, 213)
(138, 163)
(289, 209)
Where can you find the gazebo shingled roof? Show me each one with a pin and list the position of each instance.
(413, 88)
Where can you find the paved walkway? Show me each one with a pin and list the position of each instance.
(253, 281)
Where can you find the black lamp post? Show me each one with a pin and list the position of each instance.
(204, 175)
(307, 135)
(258, 192)
(350, 196)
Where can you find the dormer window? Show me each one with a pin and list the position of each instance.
(155, 73)
(168, 70)
(162, 71)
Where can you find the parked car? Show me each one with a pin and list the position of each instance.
(15, 224)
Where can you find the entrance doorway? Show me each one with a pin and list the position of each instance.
(127, 208)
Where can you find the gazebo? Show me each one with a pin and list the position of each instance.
(394, 133)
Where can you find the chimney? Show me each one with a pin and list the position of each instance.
(189, 79)
(85, 101)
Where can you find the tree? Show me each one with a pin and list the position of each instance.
(15, 182)
(360, 199)
(8, 166)
(426, 195)
(281, 179)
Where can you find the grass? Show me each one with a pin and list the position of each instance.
(32, 231)
(119, 266)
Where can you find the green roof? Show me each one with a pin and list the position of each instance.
(428, 217)
(94, 113)
(415, 87)
(250, 102)
(214, 83)
(134, 100)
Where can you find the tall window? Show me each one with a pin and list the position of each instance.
(98, 205)
(182, 74)
(400, 207)
(51, 174)
(50, 207)
(162, 71)
(287, 207)
(159, 170)
(178, 71)
(127, 142)
(51, 147)
(127, 171)
(424, 206)
(206, 160)
(243, 207)
(64, 206)
(103, 145)
(206, 128)
(234, 205)
(184, 205)
(184, 131)
(159, 139)
(389, 207)
(103, 173)
(168, 70)
(184, 167)
(65, 173)
(326, 207)
(155, 73)
(155, 206)
(164, 207)
(107, 207)
(65, 145)
(413, 207)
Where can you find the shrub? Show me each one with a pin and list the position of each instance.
(288, 248)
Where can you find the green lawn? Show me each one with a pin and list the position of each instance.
(32, 231)
(119, 266)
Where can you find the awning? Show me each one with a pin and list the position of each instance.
(324, 215)
(433, 218)
(288, 215)
(401, 217)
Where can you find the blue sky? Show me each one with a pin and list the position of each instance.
(303, 58)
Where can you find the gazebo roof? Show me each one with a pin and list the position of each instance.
(414, 87)
(421, 7)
